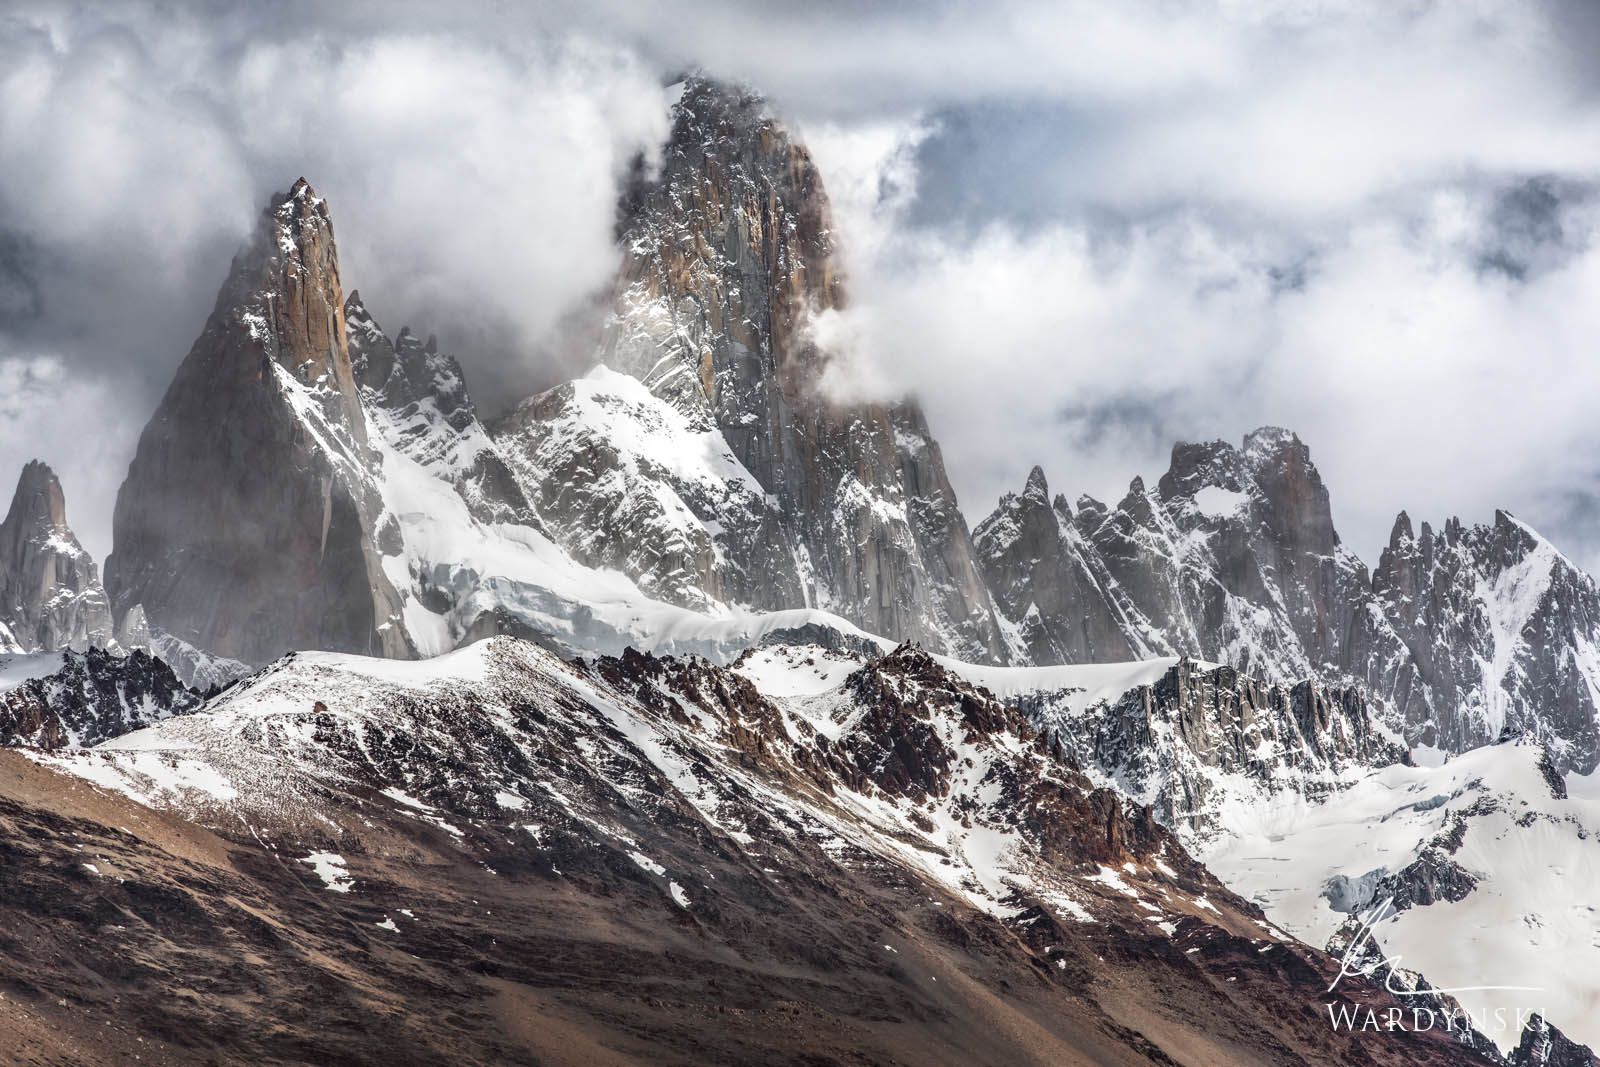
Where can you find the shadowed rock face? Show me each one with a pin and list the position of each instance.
(1198, 736)
(727, 258)
(1543, 1045)
(1044, 576)
(423, 395)
(94, 696)
(50, 594)
(246, 524)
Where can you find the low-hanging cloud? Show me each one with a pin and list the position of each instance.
(471, 180)
(1077, 230)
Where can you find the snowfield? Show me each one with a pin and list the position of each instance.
(1532, 919)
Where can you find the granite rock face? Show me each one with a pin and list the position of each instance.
(1232, 557)
(1044, 575)
(247, 525)
(1200, 736)
(50, 593)
(1504, 632)
(728, 256)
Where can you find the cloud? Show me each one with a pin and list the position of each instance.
(472, 183)
(1078, 230)
(1420, 378)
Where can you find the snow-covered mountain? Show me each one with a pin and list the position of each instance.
(876, 857)
(700, 488)
(1478, 872)
(728, 254)
(826, 816)
(1504, 631)
(1233, 557)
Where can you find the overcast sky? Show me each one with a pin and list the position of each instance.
(1078, 231)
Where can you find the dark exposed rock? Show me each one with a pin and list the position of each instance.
(1543, 1045)
(94, 696)
(1057, 589)
(247, 521)
(50, 593)
(1165, 741)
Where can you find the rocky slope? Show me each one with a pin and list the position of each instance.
(50, 592)
(89, 697)
(636, 859)
(247, 525)
(727, 255)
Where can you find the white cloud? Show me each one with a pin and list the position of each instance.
(1079, 230)
(1420, 378)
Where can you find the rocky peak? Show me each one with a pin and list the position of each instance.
(246, 524)
(418, 398)
(1402, 533)
(1195, 466)
(286, 291)
(1037, 489)
(50, 593)
(727, 255)
(1501, 627)
(1041, 573)
(1543, 1045)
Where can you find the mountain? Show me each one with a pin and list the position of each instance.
(247, 525)
(603, 454)
(1478, 872)
(1504, 631)
(728, 254)
(78, 699)
(50, 593)
(420, 396)
(1232, 557)
(499, 856)
(1198, 742)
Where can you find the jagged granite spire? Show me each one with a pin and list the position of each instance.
(728, 257)
(246, 524)
(422, 393)
(1503, 630)
(50, 593)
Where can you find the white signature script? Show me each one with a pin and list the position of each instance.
(1351, 965)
